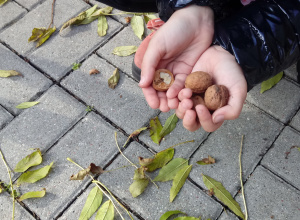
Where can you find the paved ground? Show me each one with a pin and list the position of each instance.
(61, 126)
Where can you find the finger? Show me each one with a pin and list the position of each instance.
(163, 102)
(177, 86)
(185, 94)
(173, 103)
(206, 120)
(183, 106)
(151, 97)
(190, 121)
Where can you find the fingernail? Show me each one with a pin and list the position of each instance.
(218, 119)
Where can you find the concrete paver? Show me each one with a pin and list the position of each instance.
(291, 72)
(5, 117)
(29, 4)
(295, 123)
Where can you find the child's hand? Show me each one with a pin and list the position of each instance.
(176, 46)
(225, 71)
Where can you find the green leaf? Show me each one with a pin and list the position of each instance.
(76, 66)
(46, 36)
(73, 21)
(124, 50)
(30, 160)
(161, 159)
(223, 195)
(169, 125)
(169, 171)
(92, 203)
(88, 15)
(106, 212)
(138, 187)
(114, 79)
(206, 161)
(37, 33)
(298, 148)
(178, 181)
(25, 105)
(9, 73)
(187, 218)
(34, 175)
(102, 26)
(155, 129)
(34, 194)
(102, 11)
(268, 84)
(2, 2)
(148, 17)
(137, 25)
(167, 214)
(139, 173)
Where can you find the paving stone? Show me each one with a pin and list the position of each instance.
(90, 141)
(15, 90)
(39, 126)
(155, 202)
(6, 208)
(259, 130)
(296, 121)
(124, 105)
(74, 45)
(29, 4)
(291, 72)
(126, 37)
(178, 135)
(280, 101)
(6, 15)
(16, 36)
(5, 117)
(228, 216)
(282, 159)
(75, 209)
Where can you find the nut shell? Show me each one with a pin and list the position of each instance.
(197, 100)
(216, 96)
(198, 81)
(161, 81)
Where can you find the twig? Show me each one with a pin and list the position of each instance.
(182, 143)
(52, 14)
(11, 185)
(241, 178)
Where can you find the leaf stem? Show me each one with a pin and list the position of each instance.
(11, 185)
(52, 14)
(241, 178)
(182, 143)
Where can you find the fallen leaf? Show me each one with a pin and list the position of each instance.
(148, 17)
(34, 175)
(33, 159)
(95, 169)
(138, 187)
(137, 25)
(25, 105)
(124, 50)
(83, 173)
(127, 19)
(102, 11)
(223, 195)
(139, 173)
(92, 203)
(169, 125)
(2, 2)
(161, 159)
(167, 214)
(34, 194)
(206, 161)
(179, 181)
(169, 171)
(268, 84)
(155, 129)
(106, 211)
(298, 148)
(9, 73)
(102, 25)
(187, 218)
(145, 161)
(211, 192)
(137, 132)
(88, 16)
(46, 36)
(114, 79)
(41, 35)
(93, 71)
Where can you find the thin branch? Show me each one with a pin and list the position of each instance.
(52, 14)
(241, 178)
(11, 184)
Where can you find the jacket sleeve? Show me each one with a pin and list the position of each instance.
(264, 37)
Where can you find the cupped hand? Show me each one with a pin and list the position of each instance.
(225, 71)
(176, 46)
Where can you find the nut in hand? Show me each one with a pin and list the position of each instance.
(216, 96)
(163, 79)
(197, 100)
(198, 81)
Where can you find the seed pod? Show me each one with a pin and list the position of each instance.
(163, 79)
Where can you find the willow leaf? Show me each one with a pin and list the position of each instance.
(155, 129)
(223, 195)
(167, 214)
(169, 125)
(187, 218)
(114, 79)
(2, 2)
(179, 181)
(106, 211)
(268, 84)
(33, 159)
(169, 171)
(34, 194)
(88, 15)
(102, 26)
(102, 11)
(25, 105)
(161, 159)
(92, 203)
(46, 36)
(124, 50)
(138, 187)
(137, 25)
(8, 73)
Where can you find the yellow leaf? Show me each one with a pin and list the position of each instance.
(137, 24)
(102, 26)
(8, 73)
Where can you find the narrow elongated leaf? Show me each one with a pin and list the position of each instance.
(155, 129)
(169, 171)
(138, 187)
(139, 173)
(102, 25)
(102, 11)
(187, 218)
(37, 33)
(30, 160)
(179, 181)
(206, 161)
(34, 194)
(223, 195)
(88, 15)
(138, 131)
(25, 105)
(137, 25)
(34, 175)
(124, 50)
(2, 2)
(8, 73)
(268, 84)
(161, 159)
(169, 125)
(148, 17)
(46, 36)
(106, 211)
(73, 21)
(92, 203)
(114, 79)
(167, 214)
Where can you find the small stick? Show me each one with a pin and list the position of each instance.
(241, 178)
(52, 14)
